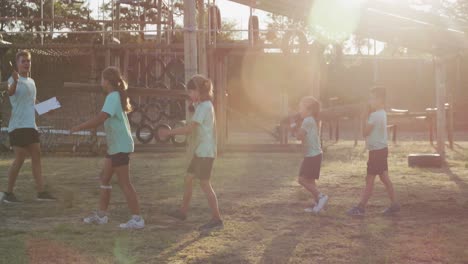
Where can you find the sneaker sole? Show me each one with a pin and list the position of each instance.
(10, 202)
(216, 228)
(131, 228)
(45, 200)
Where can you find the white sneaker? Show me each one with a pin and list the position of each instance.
(133, 224)
(309, 210)
(96, 219)
(321, 203)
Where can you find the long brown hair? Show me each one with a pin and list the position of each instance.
(203, 85)
(113, 76)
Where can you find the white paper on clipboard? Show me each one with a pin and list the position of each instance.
(48, 105)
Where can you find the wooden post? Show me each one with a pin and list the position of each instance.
(451, 100)
(190, 52)
(159, 32)
(202, 58)
(94, 74)
(440, 78)
(126, 60)
(190, 39)
(107, 58)
(221, 102)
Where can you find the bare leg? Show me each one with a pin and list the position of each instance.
(367, 192)
(187, 193)
(309, 184)
(35, 151)
(106, 176)
(388, 186)
(212, 199)
(127, 188)
(20, 156)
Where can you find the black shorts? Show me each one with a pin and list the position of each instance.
(310, 167)
(201, 167)
(119, 159)
(377, 163)
(23, 137)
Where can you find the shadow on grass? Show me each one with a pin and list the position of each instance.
(281, 249)
(455, 178)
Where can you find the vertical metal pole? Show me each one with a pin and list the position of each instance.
(190, 50)
(441, 85)
(53, 17)
(159, 37)
(251, 34)
(202, 39)
(42, 22)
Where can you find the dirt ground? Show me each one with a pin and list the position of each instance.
(262, 206)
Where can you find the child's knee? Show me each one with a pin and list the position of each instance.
(205, 185)
(189, 177)
(300, 180)
(384, 178)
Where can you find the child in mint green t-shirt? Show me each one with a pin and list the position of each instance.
(203, 130)
(119, 147)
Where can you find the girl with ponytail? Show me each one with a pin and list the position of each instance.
(119, 147)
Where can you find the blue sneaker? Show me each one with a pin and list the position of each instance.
(356, 211)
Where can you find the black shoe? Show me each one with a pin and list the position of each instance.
(45, 196)
(212, 225)
(10, 198)
(178, 215)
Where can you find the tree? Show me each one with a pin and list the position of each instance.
(32, 9)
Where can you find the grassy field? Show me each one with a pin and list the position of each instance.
(263, 209)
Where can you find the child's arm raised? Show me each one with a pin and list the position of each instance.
(92, 123)
(13, 84)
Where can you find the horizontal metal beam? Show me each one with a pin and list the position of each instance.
(132, 90)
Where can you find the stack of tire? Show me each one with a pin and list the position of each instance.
(150, 115)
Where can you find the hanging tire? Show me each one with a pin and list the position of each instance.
(178, 86)
(295, 37)
(175, 70)
(152, 76)
(136, 117)
(144, 133)
(179, 140)
(157, 131)
(159, 85)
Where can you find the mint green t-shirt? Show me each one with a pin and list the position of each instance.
(311, 142)
(377, 138)
(23, 114)
(205, 134)
(117, 128)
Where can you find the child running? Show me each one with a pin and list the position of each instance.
(309, 109)
(119, 146)
(375, 133)
(203, 130)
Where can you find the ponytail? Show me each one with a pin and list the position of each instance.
(112, 74)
